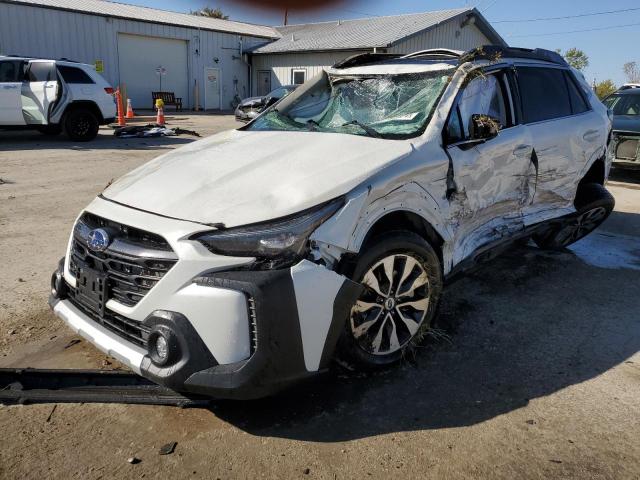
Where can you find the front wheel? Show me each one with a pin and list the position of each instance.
(81, 125)
(402, 277)
(593, 204)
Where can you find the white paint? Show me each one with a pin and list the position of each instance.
(608, 250)
(316, 289)
(243, 177)
(211, 88)
(139, 59)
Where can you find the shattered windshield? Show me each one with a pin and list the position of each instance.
(384, 106)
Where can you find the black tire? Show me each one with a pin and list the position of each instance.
(81, 125)
(593, 204)
(399, 245)
(50, 130)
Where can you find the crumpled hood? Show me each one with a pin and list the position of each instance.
(626, 123)
(239, 177)
(252, 101)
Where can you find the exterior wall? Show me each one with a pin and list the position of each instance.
(447, 35)
(48, 33)
(281, 65)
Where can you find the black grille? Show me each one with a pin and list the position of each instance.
(627, 149)
(133, 264)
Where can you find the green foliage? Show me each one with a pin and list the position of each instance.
(605, 88)
(211, 13)
(576, 58)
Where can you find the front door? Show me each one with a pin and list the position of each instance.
(11, 76)
(39, 92)
(211, 88)
(264, 82)
(492, 179)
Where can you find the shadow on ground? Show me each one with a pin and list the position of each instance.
(526, 326)
(14, 141)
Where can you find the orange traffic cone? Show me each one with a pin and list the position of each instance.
(130, 113)
(121, 121)
(160, 117)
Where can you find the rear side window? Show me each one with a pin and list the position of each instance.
(11, 71)
(41, 72)
(544, 94)
(74, 75)
(578, 103)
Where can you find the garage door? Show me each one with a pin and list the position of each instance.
(140, 58)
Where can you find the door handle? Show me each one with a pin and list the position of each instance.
(50, 86)
(9, 87)
(521, 150)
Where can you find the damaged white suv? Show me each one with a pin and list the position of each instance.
(326, 227)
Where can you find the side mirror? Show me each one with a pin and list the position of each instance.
(484, 127)
(269, 101)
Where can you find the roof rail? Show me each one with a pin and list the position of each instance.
(365, 59)
(435, 52)
(495, 52)
(629, 86)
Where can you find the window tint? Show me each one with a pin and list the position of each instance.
(578, 103)
(41, 72)
(544, 94)
(482, 95)
(74, 75)
(11, 71)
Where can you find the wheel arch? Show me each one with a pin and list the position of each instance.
(596, 173)
(87, 104)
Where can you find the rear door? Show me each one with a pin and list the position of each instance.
(11, 75)
(39, 92)
(491, 178)
(562, 129)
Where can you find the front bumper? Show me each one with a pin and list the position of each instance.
(626, 150)
(240, 333)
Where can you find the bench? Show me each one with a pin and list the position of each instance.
(169, 98)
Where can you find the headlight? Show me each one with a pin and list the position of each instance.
(277, 242)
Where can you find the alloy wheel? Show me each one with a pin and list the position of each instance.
(393, 306)
(581, 226)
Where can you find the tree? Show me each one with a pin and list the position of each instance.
(632, 72)
(576, 58)
(605, 88)
(211, 13)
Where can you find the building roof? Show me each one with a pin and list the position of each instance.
(145, 14)
(366, 33)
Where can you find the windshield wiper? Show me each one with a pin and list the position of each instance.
(372, 132)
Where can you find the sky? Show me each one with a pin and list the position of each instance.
(611, 39)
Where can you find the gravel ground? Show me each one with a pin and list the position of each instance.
(535, 372)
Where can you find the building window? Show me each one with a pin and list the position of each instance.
(298, 76)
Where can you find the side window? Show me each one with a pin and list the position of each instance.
(484, 95)
(544, 94)
(11, 71)
(74, 75)
(41, 72)
(578, 103)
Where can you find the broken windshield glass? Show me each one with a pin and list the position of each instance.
(386, 106)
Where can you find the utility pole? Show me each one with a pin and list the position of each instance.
(286, 16)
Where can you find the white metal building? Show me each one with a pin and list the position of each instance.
(199, 56)
(302, 51)
(209, 62)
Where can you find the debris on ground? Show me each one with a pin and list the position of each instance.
(151, 130)
(51, 413)
(168, 449)
(73, 342)
(133, 460)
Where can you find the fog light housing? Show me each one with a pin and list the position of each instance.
(163, 346)
(58, 286)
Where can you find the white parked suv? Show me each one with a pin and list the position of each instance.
(326, 227)
(54, 96)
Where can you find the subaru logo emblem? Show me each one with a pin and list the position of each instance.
(98, 240)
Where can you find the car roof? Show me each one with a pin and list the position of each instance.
(60, 61)
(627, 91)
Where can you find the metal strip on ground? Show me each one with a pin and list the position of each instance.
(29, 386)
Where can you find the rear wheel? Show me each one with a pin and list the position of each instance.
(81, 125)
(593, 204)
(403, 281)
